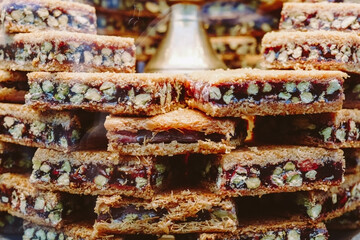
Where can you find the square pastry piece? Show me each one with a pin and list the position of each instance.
(99, 173)
(339, 129)
(20, 198)
(347, 221)
(234, 93)
(325, 50)
(60, 51)
(173, 212)
(320, 16)
(272, 169)
(25, 126)
(13, 86)
(21, 16)
(273, 229)
(177, 132)
(116, 93)
(323, 206)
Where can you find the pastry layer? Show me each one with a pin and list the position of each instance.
(265, 92)
(272, 169)
(22, 16)
(56, 51)
(320, 16)
(176, 212)
(99, 173)
(340, 129)
(13, 86)
(23, 125)
(20, 198)
(177, 132)
(325, 50)
(273, 230)
(116, 93)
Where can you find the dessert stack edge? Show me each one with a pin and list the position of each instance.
(92, 150)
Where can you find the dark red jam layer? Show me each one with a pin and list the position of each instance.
(20, 86)
(17, 161)
(181, 136)
(119, 95)
(131, 213)
(327, 172)
(118, 176)
(71, 19)
(324, 53)
(240, 93)
(51, 134)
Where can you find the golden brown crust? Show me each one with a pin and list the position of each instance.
(263, 155)
(182, 119)
(12, 95)
(266, 108)
(9, 76)
(173, 148)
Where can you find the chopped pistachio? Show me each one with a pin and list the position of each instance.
(45, 168)
(17, 130)
(62, 91)
(326, 133)
(311, 174)
(303, 86)
(8, 121)
(293, 235)
(37, 128)
(253, 89)
(142, 99)
(253, 182)
(66, 167)
(140, 182)
(47, 86)
(93, 94)
(228, 96)
(100, 180)
(314, 211)
(306, 97)
(40, 234)
(130, 218)
(77, 98)
(79, 88)
(267, 88)
(341, 134)
(215, 93)
(295, 180)
(109, 89)
(290, 87)
(161, 168)
(289, 166)
(35, 91)
(334, 86)
(39, 203)
(284, 95)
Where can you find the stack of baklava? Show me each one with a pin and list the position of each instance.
(321, 36)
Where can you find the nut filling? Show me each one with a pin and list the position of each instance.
(131, 213)
(331, 203)
(35, 14)
(41, 132)
(36, 232)
(258, 92)
(319, 21)
(107, 93)
(347, 131)
(69, 53)
(117, 176)
(313, 52)
(181, 136)
(290, 173)
(18, 161)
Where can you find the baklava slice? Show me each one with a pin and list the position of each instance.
(13, 86)
(177, 132)
(116, 93)
(99, 173)
(234, 93)
(22, 16)
(173, 212)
